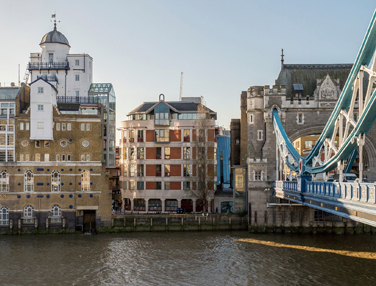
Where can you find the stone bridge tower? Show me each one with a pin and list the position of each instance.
(305, 96)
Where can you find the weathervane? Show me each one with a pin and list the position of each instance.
(54, 20)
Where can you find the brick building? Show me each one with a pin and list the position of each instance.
(159, 148)
(51, 151)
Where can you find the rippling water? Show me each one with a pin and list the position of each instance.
(195, 258)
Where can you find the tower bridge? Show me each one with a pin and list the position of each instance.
(335, 104)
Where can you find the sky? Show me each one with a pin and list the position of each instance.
(222, 47)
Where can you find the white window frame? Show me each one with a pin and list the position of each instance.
(29, 181)
(87, 126)
(40, 107)
(69, 126)
(46, 157)
(55, 181)
(57, 126)
(77, 77)
(55, 214)
(300, 118)
(40, 90)
(260, 135)
(85, 181)
(21, 126)
(4, 182)
(77, 62)
(82, 126)
(4, 216)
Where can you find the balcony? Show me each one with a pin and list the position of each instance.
(124, 140)
(131, 139)
(187, 139)
(48, 77)
(77, 100)
(140, 139)
(48, 66)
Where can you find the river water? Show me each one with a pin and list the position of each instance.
(188, 258)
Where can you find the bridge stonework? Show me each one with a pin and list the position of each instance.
(304, 96)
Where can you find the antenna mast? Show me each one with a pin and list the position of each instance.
(181, 86)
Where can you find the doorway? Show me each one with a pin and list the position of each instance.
(89, 221)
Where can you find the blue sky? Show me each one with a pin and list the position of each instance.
(223, 47)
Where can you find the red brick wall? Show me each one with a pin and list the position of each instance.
(150, 185)
(175, 152)
(211, 135)
(175, 186)
(176, 170)
(210, 153)
(149, 135)
(193, 153)
(151, 153)
(150, 170)
(194, 135)
(175, 135)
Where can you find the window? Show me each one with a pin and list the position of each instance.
(21, 126)
(4, 181)
(77, 62)
(63, 143)
(69, 126)
(63, 126)
(167, 185)
(186, 186)
(50, 58)
(124, 185)
(251, 118)
(83, 157)
(308, 144)
(186, 170)
(77, 77)
(260, 135)
(85, 143)
(140, 153)
(68, 157)
(158, 170)
(57, 126)
(46, 144)
(167, 170)
(85, 181)
(140, 170)
(28, 214)
(161, 115)
(162, 135)
(131, 153)
(63, 157)
(40, 125)
(37, 157)
(131, 135)
(158, 185)
(40, 107)
(131, 170)
(27, 157)
(167, 152)
(257, 175)
(55, 214)
(82, 126)
(27, 125)
(125, 171)
(187, 135)
(4, 216)
(40, 89)
(55, 181)
(87, 126)
(87, 157)
(140, 136)
(29, 181)
(57, 157)
(186, 153)
(159, 152)
(140, 185)
(300, 118)
(46, 157)
(125, 154)
(77, 94)
(131, 185)
(21, 157)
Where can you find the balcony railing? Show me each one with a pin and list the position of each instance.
(131, 139)
(77, 100)
(140, 139)
(48, 66)
(124, 140)
(158, 174)
(48, 77)
(187, 139)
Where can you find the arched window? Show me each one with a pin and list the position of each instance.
(28, 214)
(85, 180)
(55, 181)
(4, 181)
(4, 216)
(55, 215)
(29, 181)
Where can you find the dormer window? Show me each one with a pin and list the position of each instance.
(162, 115)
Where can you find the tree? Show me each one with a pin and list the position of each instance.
(203, 176)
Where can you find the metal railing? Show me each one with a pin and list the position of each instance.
(47, 65)
(77, 100)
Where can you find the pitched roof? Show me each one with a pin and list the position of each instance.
(307, 74)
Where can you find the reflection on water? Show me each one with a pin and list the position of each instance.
(358, 254)
(196, 258)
